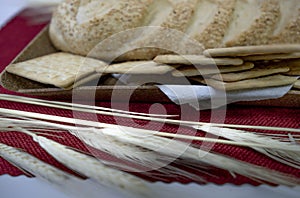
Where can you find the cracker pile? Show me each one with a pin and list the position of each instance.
(240, 68)
(230, 69)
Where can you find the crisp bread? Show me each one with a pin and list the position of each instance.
(194, 71)
(264, 82)
(58, 69)
(253, 73)
(252, 50)
(196, 60)
(136, 67)
(297, 84)
(272, 57)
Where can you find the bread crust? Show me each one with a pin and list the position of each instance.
(80, 38)
(78, 26)
(291, 34)
(259, 32)
(163, 41)
(213, 34)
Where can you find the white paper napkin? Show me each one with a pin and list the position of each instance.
(204, 97)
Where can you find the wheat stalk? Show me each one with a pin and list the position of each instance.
(146, 159)
(183, 150)
(233, 165)
(93, 124)
(290, 158)
(133, 115)
(287, 153)
(91, 167)
(64, 181)
(284, 152)
(74, 106)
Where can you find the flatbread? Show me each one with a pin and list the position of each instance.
(293, 65)
(297, 84)
(264, 82)
(136, 67)
(58, 69)
(194, 71)
(252, 50)
(273, 57)
(254, 73)
(196, 60)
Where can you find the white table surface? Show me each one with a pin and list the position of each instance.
(20, 187)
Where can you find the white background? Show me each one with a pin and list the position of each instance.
(24, 187)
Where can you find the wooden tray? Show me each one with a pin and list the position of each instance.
(41, 45)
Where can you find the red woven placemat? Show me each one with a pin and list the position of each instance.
(19, 32)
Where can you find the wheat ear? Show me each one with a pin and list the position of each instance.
(183, 150)
(284, 152)
(91, 167)
(232, 165)
(143, 159)
(65, 182)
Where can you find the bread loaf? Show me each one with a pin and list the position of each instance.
(210, 21)
(252, 23)
(78, 26)
(288, 28)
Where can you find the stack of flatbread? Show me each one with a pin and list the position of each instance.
(239, 68)
(230, 69)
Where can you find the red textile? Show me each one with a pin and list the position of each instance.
(16, 35)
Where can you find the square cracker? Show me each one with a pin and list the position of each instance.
(58, 69)
(269, 81)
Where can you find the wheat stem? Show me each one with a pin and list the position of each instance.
(74, 106)
(104, 125)
(91, 109)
